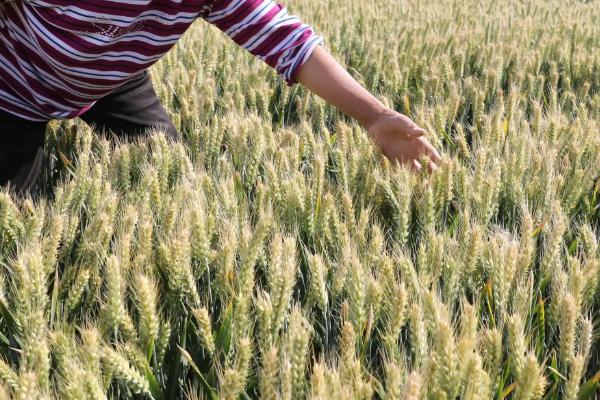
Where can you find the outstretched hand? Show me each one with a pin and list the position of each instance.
(400, 139)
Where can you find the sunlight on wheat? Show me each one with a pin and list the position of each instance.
(275, 253)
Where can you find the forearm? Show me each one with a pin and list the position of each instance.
(325, 77)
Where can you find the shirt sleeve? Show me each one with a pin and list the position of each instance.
(266, 30)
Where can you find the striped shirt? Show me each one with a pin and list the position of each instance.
(57, 57)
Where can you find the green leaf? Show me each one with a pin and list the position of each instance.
(195, 368)
(55, 294)
(541, 324)
(4, 339)
(155, 388)
(508, 390)
(175, 367)
(573, 246)
(590, 389)
(556, 373)
(9, 319)
(223, 341)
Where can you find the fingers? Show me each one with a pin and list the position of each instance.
(434, 155)
(429, 151)
(413, 131)
(418, 154)
(416, 132)
(431, 155)
(431, 166)
(416, 166)
(428, 164)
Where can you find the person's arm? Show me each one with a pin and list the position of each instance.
(397, 135)
(265, 29)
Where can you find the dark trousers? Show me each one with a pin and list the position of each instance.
(128, 111)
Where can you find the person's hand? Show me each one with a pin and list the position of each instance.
(400, 139)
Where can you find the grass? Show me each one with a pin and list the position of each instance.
(276, 254)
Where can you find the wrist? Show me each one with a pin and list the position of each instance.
(375, 112)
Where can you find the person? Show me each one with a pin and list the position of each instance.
(61, 59)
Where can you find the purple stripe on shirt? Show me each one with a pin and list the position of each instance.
(63, 55)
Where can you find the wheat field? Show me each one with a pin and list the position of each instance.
(276, 254)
